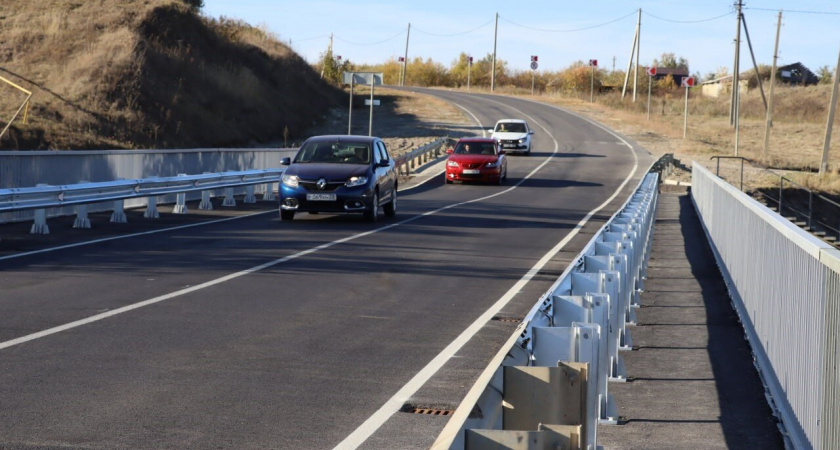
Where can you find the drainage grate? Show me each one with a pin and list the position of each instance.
(432, 411)
(508, 319)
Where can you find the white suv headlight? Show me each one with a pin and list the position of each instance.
(291, 180)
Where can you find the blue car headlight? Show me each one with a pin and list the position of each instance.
(356, 181)
(291, 180)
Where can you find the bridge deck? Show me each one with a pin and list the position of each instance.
(692, 380)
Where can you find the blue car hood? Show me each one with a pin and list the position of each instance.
(332, 172)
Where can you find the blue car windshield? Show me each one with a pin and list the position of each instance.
(334, 153)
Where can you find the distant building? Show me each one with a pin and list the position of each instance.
(677, 73)
(796, 73)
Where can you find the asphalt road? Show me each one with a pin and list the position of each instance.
(315, 333)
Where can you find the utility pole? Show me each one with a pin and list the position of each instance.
(613, 69)
(736, 68)
(638, 46)
(633, 51)
(329, 53)
(769, 122)
(831, 109)
(405, 59)
(755, 65)
(495, 39)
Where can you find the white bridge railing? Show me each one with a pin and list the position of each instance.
(549, 385)
(785, 286)
(42, 197)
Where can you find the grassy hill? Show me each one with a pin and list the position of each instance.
(115, 74)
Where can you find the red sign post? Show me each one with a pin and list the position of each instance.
(592, 63)
(651, 71)
(687, 82)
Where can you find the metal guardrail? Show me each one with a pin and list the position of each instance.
(74, 194)
(550, 382)
(422, 155)
(42, 197)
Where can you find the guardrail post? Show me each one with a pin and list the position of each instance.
(151, 209)
(180, 200)
(229, 199)
(118, 216)
(206, 204)
(269, 192)
(39, 226)
(249, 194)
(82, 220)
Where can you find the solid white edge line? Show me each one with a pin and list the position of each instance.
(396, 402)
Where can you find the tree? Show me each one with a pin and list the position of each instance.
(670, 60)
(195, 5)
(330, 68)
(825, 75)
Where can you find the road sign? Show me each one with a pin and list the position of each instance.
(362, 77)
(401, 59)
(534, 65)
(593, 62)
(687, 82)
(368, 102)
(338, 57)
(651, 71)
(534, 58)
(470, 59)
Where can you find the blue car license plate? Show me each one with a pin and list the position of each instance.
(320, 197)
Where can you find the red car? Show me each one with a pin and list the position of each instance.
(476, 159)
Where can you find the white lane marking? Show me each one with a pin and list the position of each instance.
(125, 236)
(396, 402)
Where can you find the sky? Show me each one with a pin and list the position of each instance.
(558, 32)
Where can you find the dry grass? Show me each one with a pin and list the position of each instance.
(149, 74)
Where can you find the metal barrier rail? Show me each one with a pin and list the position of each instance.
(42, 197)
(74, 194)
(421, 155)
(549, 384)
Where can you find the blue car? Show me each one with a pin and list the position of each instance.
(340, 174)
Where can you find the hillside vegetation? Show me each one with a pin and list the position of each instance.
(116, 74)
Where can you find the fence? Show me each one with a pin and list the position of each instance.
(548, 387)
(784, 285)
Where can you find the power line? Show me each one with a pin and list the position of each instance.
(311, 38)
(687, 21)
(827, 13)
(572, 30)
(371, 43)
(457, 34)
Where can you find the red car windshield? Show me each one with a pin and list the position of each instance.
(475, 148)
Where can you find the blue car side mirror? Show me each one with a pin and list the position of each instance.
(285, 161)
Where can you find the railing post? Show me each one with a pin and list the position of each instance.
(742, 175)
(180, 200)
(229, 198)
(269, 192)
(118, 216)
(151, 208)
(810, 209)
(39, 226)
(205, 203)
(249, 194)
(82, 220)
(781, 190)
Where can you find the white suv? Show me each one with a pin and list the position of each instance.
(513, 135)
